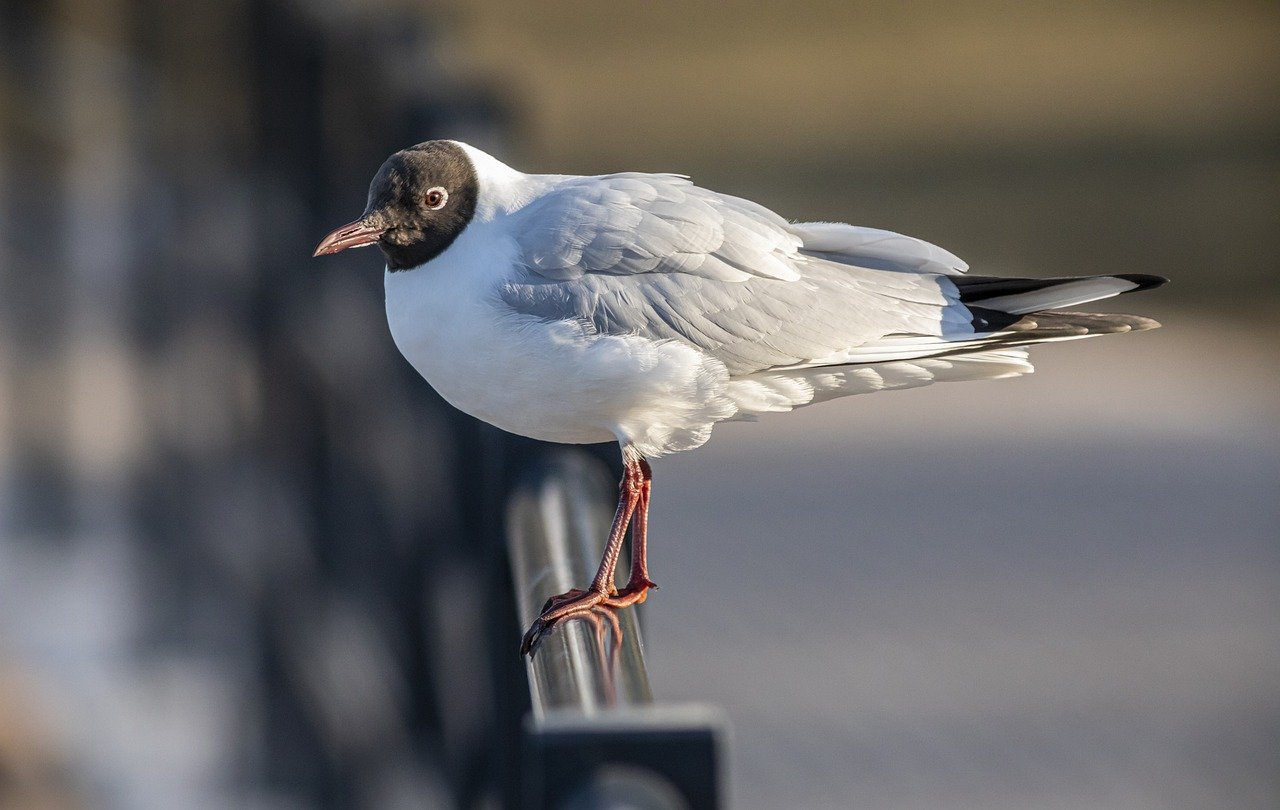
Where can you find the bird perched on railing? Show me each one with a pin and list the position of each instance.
(644, 309)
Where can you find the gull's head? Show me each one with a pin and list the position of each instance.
(419, 202)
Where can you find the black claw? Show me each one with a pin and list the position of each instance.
(534, 637)
(542, 626)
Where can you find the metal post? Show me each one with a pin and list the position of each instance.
(594, 738)
(558, 519)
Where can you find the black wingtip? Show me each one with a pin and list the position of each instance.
(1144, 281)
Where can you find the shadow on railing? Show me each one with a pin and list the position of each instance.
(595, 739)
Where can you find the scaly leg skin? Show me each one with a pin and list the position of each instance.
(638, 583)
(633, 500)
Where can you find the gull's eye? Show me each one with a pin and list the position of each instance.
(436, 198)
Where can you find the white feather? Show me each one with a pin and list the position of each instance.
(1069, 294)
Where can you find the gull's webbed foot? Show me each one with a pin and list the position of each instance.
(577, 602)
(555, 610)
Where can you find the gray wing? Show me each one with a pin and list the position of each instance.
(655, 255)
(628, 224)
(872, 247)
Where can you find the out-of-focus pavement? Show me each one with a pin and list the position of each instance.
(1056, 591)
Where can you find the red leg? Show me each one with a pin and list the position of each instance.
(638, 584)
(633, 493)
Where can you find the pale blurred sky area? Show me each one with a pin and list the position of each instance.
(245, 551)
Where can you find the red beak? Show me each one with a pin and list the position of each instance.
(352, 235)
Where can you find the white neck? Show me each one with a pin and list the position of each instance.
(502, 188)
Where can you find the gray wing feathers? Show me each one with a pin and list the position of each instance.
(625, 224)
(872, 247)
(749, 326)
(654, 255)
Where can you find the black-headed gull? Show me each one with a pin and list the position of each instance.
(644, 309)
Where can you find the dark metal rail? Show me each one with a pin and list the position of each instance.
(557, 523)
(595, 738)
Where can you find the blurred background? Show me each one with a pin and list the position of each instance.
(246, 555)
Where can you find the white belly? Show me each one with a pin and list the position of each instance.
(549, 380)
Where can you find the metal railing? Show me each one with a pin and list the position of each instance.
(595, 738)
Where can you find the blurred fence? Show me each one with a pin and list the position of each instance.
(246, 555)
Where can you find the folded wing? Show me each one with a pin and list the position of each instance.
(782, 304)
(655, 255)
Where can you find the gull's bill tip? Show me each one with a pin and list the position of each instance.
(352, 235)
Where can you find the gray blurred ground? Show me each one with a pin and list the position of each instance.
(1058, 591)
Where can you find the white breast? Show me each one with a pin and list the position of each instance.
(546, 380)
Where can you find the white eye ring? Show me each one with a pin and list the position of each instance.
(436, 197)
